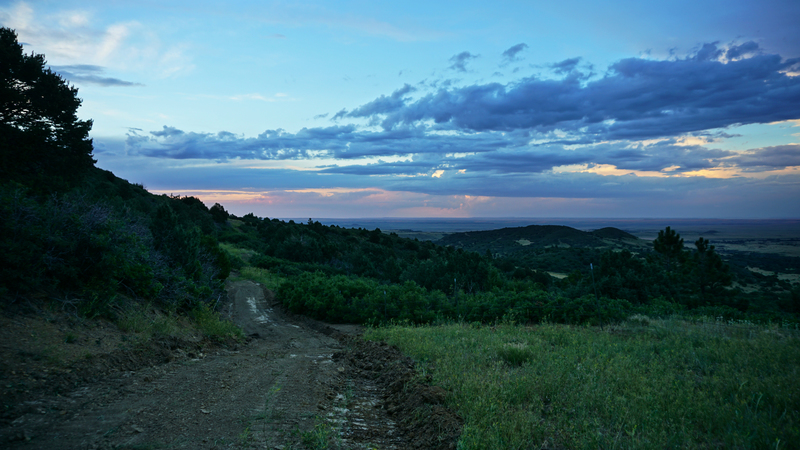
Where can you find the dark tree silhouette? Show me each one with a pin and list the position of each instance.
(670, 245)
(42, 143)
(218, 213)
(711, 272)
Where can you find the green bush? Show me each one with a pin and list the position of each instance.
(93, 251)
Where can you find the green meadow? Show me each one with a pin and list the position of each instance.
(645, 383)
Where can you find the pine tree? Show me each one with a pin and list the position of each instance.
(670, 245)
(43, 145)
(711, 272)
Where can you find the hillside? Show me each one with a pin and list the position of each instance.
(507, 241)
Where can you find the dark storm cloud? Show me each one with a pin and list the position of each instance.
(381, 105)
(89, 74)
(535, 125)
(460, 61)
(566, 66)
(768, 158)
(738, 51)
(512, 53)
(397, 168)
(708, 52)
(662, 156)
(488, 152)
(342, 142)
(654, 158)
(637, 99)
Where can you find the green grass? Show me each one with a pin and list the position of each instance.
(242, 253)
(213, 326)
(146, 323)
(643, 384)
(268, 279)
(319, 437)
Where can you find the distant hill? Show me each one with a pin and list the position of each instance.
(613, 233)
(512, 240)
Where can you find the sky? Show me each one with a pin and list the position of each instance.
(571, 109)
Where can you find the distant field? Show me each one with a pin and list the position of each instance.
(643, 228)
(766, 236)
(643, 384)
(761, 245)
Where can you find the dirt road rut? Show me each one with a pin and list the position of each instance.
(297, 384)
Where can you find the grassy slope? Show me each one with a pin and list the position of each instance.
(643, 384)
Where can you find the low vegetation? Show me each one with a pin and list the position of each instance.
(357, 275)
(644, 383)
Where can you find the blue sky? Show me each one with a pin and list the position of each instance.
(623, 109)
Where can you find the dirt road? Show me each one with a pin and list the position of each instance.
(297, 384)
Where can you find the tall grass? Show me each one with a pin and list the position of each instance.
(212, 325)
(146, 323)
(643, 384)
(268, 279)
(237, 252)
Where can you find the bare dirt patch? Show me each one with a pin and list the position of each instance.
(297, 383)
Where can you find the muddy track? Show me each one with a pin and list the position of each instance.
(297, 384)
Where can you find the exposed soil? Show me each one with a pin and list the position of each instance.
(297, 383)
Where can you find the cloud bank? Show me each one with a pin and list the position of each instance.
(643, 128)
(535, 125)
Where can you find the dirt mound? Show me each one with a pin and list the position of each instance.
(417, 408)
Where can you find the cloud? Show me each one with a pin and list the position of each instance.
(76, 38)
(566, 66)
(501, 178)
(664, 157)
(341, 142)
(381, 105)
(738, 51)
(394, 169)
(460, 61)
(487, 152)
(768, 158)
(339, 115)
(708, 52)
(729, 194)
(511, 55)
(636, 99)
(649, 122)
(90, 74)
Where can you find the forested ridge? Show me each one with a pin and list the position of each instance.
(357, 275)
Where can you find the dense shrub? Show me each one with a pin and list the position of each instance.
(68, 245)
